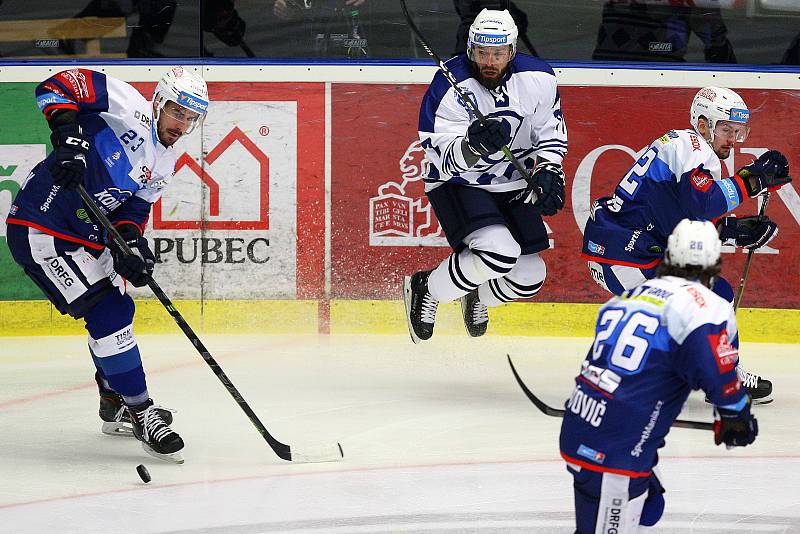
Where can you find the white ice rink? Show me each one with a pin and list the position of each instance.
(437, 438)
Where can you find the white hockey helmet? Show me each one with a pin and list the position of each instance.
(492, 28)
(693, 244)
(719, 104)
(186, 89)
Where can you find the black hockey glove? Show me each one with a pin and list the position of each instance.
(735, 429)
(546, 188)
(136, 268)
(747, 232)
(769, 172)
(70, 147)
(486, 140)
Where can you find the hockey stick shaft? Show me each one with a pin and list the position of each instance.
(246, 49)
(555, 412)
(464, 96)
(746, 269)
(281, 449)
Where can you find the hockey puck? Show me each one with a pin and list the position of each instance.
(144, 474)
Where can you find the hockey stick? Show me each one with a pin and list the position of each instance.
(749, 259)
(246, 49)
(285, 452)
(454, 84)
(555, 412)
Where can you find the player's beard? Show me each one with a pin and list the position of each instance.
(491, 83)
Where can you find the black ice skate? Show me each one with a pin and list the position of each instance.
(759, 388)
(157, 438)
(116, 421)
(475, 313)
(420, 306)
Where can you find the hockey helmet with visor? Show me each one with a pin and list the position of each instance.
(492, 28)
(188, 91)
(725, 112)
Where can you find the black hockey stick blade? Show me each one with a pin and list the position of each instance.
(555, 412)
(283, 451)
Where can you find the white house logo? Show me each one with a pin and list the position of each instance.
(396, 219)
(214, 221)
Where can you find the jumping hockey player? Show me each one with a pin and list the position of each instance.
(653, 345)
(680, 176)
(119, 146)
(491, 215)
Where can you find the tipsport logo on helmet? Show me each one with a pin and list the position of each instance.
(195, 104)
(739, 115)
(490, 40)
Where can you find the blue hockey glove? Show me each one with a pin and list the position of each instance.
(735, 429)
(769, 172)
(747, 232)
(70, 147)
(486, 140)
(546, 188)
(136, 268)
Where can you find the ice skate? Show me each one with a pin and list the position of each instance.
(116, 421)
(759, 388)
(157, 438)
(420, 306)
(475, 313)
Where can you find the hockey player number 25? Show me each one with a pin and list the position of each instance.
(630, 338)
(630, 183)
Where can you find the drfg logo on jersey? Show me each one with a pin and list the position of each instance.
(398, 218)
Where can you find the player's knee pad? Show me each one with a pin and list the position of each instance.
(723, 288)
(495, 250)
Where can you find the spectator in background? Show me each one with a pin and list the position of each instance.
(468, 9)
(155, 19)
(792, 54)
(649, 30)
(333, 28)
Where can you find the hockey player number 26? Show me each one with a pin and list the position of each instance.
(630, 338)
(630, 183)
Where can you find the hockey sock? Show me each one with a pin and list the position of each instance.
(524, 281)
(113, 346)
(463, 272)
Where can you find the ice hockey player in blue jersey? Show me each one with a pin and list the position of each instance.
(491, 215)
(680, 175)
(120, 147)
(653, 345)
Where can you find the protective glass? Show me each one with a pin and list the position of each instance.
(731, 130)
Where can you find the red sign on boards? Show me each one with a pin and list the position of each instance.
(383, 227)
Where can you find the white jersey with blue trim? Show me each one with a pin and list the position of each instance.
(653, 345)
(127, 167)
(527, 101)
(128, 144)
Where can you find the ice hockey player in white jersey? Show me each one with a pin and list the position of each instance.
(108, 138)
(490, 213)
(680, 175)
(653, 345)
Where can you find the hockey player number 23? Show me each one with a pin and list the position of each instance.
(630, 183)
(129, 136)
(630, 338)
